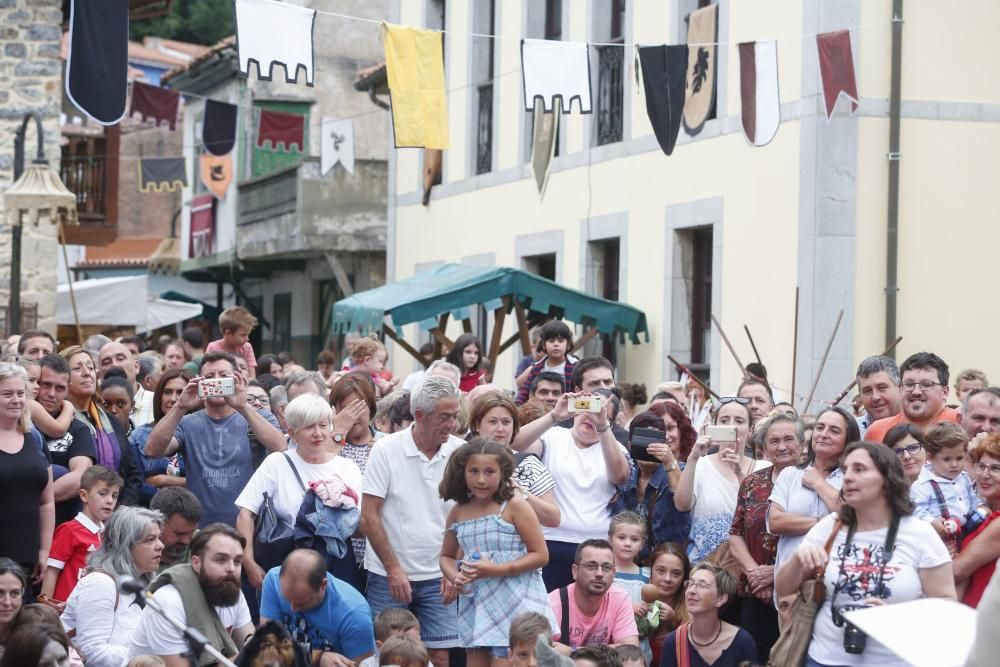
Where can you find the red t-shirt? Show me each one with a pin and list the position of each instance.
(613, 622)
(72, 543)
(471, 380)
(876, 432)
(980, 579)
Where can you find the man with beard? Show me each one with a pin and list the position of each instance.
(598, 613)
(925, 392)
(181, 514)
(878, 383)
(325, 615)
(204, 595)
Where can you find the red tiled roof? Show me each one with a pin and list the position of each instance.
(193, 50)
(137, 51)
(212, 50)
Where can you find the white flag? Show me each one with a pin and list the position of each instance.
(337, 145)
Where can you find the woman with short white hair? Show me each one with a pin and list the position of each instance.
(285, 476)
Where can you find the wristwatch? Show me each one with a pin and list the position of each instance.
(339, 438)
(670, 468)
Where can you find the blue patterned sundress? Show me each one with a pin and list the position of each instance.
(484, 617)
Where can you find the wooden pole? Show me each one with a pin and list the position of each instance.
(826, 353)
(522, 328)
(684, 369)
(584, 339)
(795, 343)
(389, 333)
(69, 280)
(732, 350)
(499, 317)
(753, 345)
(849, 387)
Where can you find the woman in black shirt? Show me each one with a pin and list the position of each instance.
(27, 506)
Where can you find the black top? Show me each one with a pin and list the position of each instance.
(23, 478)
(76, 442)
(742, 648)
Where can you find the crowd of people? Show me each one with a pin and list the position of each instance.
(345, 516)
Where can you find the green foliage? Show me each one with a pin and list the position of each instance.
(196, 21)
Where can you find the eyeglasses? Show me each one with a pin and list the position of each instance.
(594, 567)
(259, 400)
(909, 449)
(701, 585)
(737, 399)
(925, 385)
(982, 468)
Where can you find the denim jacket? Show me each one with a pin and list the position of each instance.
(662, 518)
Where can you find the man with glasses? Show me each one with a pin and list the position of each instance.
(925, 392)
(597, 613)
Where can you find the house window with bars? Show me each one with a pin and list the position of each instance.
(483, 50)
(610, 100)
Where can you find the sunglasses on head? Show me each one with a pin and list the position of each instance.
(734, 399)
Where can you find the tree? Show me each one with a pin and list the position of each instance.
(197, 21)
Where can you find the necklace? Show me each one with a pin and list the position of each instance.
(697, 643)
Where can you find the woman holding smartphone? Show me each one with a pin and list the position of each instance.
(710, 482)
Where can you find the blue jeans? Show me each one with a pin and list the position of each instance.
(812, 663)
(438, 622)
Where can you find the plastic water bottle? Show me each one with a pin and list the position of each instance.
(469, 589)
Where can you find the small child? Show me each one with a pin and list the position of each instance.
(523, 636)
(596, 655)
(392, 622)
(626, 535)
(74, 540)
(403, 651)
(368, 356)
(943, 493)
(236, 323)
(630, 655)
(49, 426)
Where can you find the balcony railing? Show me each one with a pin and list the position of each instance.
(29, 318)
(484, 130)
(610, 96)
(84, 173)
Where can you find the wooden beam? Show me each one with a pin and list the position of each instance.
(684, 369)
(522, 328)
(440, 340)
(499, 317)
(584, 339)
(389, 333)
(507, 343)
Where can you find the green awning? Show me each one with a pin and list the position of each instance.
(452, 288)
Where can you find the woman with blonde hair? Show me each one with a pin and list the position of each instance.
(27, 504)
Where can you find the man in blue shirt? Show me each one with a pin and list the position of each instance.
(327, 616)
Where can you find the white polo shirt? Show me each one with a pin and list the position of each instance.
(413, 514)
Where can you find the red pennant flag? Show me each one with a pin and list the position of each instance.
(285, 129)
(153, 102)
(836, 66)
(202, 226)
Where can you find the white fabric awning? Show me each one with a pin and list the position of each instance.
(122, 302)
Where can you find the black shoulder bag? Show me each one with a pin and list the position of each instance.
(273, 534)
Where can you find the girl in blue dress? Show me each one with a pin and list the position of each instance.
(493, 549)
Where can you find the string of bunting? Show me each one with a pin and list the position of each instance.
(679, 82)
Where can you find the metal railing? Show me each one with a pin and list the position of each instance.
(610, 94)
(484, 130)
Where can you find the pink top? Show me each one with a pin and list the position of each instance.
(613, 622)
(246, 351)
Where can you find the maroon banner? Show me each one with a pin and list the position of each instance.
(159, 104)
(284, 129)
(202, 225)
(836, 67)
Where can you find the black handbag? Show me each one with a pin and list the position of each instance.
(273, 535)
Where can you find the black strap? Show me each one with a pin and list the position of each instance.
(294, 470)
(887, 550)
(940, 499)
(564, 622)
(520, 456)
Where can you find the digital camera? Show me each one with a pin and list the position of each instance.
(585, 404)
(855, 640)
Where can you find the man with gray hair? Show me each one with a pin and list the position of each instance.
(303, 382)
(981, 412)
(442, 368)
(878, 383)
(279, 401)
(400, 489)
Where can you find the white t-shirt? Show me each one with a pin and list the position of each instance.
(275, 477)
(154, 635)
(582, 489)
(797, 499)
(102, 631)
(917, 547)
(714, 503)
(413, 514)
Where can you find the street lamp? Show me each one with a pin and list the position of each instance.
(36, 191)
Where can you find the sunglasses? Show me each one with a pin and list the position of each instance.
(734, 399)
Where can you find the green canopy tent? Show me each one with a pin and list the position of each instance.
(432, 297)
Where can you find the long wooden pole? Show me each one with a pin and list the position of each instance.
(684, 369)
(849, 387)
(753, 345)
(69, 280)
(725, 338)
(795, 343)
(826, 353)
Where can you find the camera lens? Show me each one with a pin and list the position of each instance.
(854, 639)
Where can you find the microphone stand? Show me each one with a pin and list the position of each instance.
(197, 642)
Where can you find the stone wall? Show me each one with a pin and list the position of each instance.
(30, 80)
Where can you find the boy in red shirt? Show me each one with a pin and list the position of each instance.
(74, 540)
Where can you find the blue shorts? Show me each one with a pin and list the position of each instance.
(438, 622)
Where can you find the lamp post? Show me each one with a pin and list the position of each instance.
(35, 189)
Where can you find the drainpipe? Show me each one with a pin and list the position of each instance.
(892, 227)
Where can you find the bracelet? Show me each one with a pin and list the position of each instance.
(602, 430)
(672, 467)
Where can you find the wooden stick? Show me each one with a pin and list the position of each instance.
(849, 387)
(795, 343)
(69, 280)
(684, 369)
(584, 339)
(826, 353)
(389, 333)
(725, 338)
(522, 328)
(753, 345)
(499, 317)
